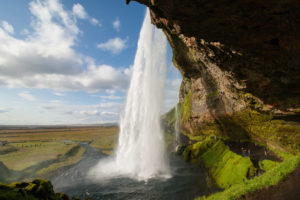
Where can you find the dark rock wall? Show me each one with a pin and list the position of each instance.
(250, 44)
(233, 55)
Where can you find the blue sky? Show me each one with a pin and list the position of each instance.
(69, 61)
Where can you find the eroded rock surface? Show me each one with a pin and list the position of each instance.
(233, 56)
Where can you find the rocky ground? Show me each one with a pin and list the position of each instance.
(287, 189)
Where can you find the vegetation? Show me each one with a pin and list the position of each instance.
(35, 190)
(76, 134)
(232, 172)
(186, 108)
(271, 177)
(225, 166)
(266, 165)
(31, 153)
(7, 149)
(71, 157)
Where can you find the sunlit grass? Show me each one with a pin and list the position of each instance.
(107, 142)
(270, 177)
(69, 161)
(80, 134)
(34, 146)
(32, 155)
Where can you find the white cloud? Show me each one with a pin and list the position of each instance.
(4, 110)
(8, 27)
(27, 96)
(111, 92)
(59, 94)
(115, 45)
(117, 24)
(46, 58)
(112, 97)
(25, 32)
(95, 22)
(104, 112)
(109, 114)
(79, 11)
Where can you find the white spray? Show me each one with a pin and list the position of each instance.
(141, 152)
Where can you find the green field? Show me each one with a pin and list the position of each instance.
(31, 153)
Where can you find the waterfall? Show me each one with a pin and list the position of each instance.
(141, 149)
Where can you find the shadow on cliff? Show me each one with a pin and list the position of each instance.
(217, 108)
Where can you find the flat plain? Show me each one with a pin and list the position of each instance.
(36, 152)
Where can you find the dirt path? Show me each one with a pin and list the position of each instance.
(287, 189)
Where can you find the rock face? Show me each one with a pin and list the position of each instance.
(233, 55)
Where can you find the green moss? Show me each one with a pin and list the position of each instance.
(35, 190)
(249, 125)
(170, 117)
(186, 108)
(271, 177)
(225, 166)
(267, 165)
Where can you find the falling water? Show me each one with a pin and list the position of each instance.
(141, 152)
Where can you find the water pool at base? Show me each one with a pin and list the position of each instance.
(188, 181)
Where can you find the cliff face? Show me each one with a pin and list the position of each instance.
(233, 56)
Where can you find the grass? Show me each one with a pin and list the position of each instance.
(79, 134)
(230, 171)
(186, 108)
(107, 142)
(7, 149)
(226, 167)
(271, 177)
(37, 152)
(68, 161)
(29, 156)
(37, 189)
(266, 165)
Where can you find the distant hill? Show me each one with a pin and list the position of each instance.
(7, 127)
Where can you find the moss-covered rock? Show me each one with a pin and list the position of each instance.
(267, 165)
(36, 190)
(253, 125)
(226, 167)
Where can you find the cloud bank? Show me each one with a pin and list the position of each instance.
(46, 58)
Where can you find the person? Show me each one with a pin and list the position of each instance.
(248, 152)
(265, 149)
(243, 151)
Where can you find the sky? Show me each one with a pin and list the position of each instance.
(70, 61)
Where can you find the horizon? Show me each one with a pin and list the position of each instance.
(70, 62)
